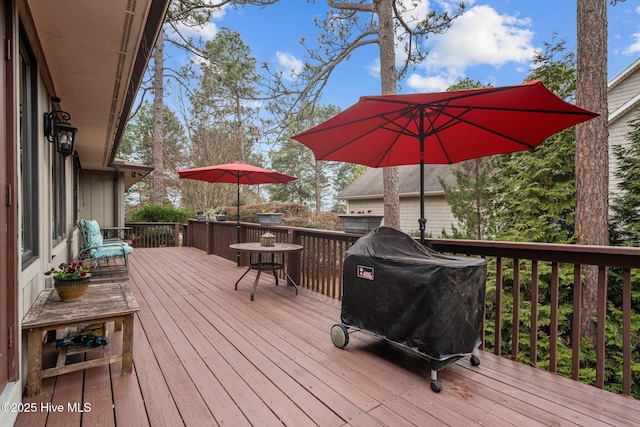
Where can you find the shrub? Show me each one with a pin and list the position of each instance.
(160, 213)
(295, 215)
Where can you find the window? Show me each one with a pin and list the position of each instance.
(28, 153)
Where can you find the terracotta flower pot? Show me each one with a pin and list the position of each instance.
(71, 289)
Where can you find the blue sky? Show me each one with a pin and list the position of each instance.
(493, 42)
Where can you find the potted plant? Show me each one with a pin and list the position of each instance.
(269, 217)
(200, 216)
(220, 214)
(359, 222)
(70, 280)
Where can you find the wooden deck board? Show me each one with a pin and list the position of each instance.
(133, 413)
(204, 354)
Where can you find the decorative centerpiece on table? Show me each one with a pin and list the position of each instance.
(70, 280)
(268, 240)
(269, 217)
(360, 222)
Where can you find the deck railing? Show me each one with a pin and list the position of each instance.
(527, 284)
(152, 234)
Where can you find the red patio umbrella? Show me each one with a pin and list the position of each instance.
(236, 173)
(442, 127)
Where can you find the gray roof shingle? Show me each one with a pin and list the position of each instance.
(369, 184)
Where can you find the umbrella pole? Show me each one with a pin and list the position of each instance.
(238, 222)
(422, 220)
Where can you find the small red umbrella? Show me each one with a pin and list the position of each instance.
(442, 127)
(236, 173)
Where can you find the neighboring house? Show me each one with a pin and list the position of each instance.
(366, 193)
(624, 101)
(86, 58)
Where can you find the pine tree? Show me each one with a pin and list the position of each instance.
(533, 191)
(469, 199)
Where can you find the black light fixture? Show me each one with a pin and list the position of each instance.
(58, 130)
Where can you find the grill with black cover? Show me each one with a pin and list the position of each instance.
(397, 289)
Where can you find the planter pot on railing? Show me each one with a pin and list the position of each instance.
(270, 218)
(221, 217)
(360, 224)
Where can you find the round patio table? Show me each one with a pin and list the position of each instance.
(254, 248)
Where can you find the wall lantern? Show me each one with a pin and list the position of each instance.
(58, 130)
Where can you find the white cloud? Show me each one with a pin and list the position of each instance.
(634, 47)
(429, 84)
(289, 64)
(207, 32)
(450, 6)
(373, 68)
(480, 36)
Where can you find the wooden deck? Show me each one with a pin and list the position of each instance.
(205, 355)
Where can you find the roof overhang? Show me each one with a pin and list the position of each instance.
(401, 195)
(95, 54)
(133, 172)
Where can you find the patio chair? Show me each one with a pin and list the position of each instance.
(108, 258)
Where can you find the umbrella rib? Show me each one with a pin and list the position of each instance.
(349, 123)
(345, 144)
(470, 93)
(455, 119)
(432, 128)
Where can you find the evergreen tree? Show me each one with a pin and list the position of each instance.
(226, 86)
(343, 175)
(533, 191)
(222, 123)
(469, 199)
(316, 179)
(137, 146)
(297, 160)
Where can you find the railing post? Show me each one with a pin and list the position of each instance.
(185, 232)
(515, 327)
(210, 238)
(575, 336)
(626, 331)
(498, 320)
(293, 266)
(533, 335)
(189, 234)
(553, 322)
(601, 326)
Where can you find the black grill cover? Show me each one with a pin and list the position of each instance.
(400, 290)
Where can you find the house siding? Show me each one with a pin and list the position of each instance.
(437, 212)
(621, 111)
(96, 197)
